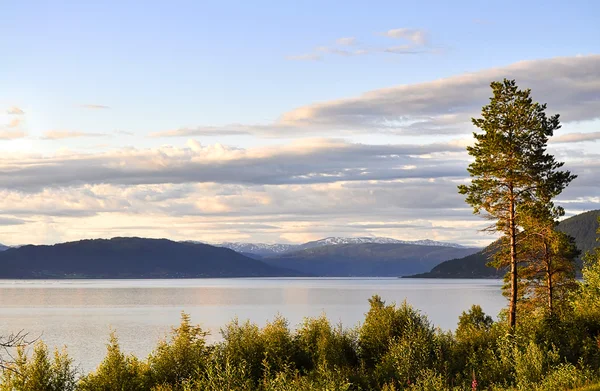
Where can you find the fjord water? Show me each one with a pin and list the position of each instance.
(81, 313)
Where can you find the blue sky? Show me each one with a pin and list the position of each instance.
(121, 71)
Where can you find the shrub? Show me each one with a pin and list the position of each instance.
(180, 358)
(117, 372)
(39, 372)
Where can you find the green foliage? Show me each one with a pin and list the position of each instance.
(321, 345)
(394, 349)
(242, 346)
(547, 269)
(512, 173)
(40, 372)
(586, 300)
(118, 372)
(385, 324)
(181, 358)
(565, 377)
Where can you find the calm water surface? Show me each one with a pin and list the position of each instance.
(81, 313)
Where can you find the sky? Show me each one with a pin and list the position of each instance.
(277, 122)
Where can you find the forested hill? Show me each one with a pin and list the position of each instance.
(367, 259)
(131, 258)
(582, 227)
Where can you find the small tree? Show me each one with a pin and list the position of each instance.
(548, 274)
(182, 357)
(116, 372)
(512, 171)
(39, 372)
(587, 300)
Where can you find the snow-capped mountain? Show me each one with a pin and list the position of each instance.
(262, 249)
(374, 239)
(266, 250)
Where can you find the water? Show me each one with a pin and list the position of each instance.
(81, 313)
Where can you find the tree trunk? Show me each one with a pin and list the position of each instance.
(512, 309)
(549, 278)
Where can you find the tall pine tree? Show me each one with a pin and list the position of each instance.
(512, 172)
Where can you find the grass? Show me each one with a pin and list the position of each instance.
(593, 387)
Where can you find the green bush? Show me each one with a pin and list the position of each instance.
(39, 372)
(396, 348)
(117, 372)
(181, 358)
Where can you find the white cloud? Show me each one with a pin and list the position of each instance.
(95, 107)
(303, 162)
(15, 111)
(305, 57)
(12, 134)
(65, 134)
(570, 86)
(415, 36)
(576, 137)
(346, 41)
(417, 44)
(14, 123)
(201, 131)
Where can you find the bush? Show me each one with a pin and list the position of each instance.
(181, 358)
(116, 372)
(40, 373)
(322, 346)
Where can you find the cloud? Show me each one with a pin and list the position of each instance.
(65, 134)
(415, 36)
(417, 44)
(12, 134)
(95, 107)
(124, 133)
(11, 221)
(483, 21)
(443, 106)
(237, 130)
(403, 49)
(576, 137)
(309, 161)
(346, 41)
(305, 57)
(426, 205)
(14, 123)
(15, 111)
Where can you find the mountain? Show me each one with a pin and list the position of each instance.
(131, 258)
(3, 247)
(582, 227)
(368, 239)
(366, 259)
(261, 250)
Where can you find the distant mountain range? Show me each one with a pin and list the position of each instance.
(582, 227)
(132, 258)
(269, 250)
(367, 259)
(3, 247)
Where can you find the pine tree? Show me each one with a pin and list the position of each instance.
(548, 274)
(587, 300)
(512, 172)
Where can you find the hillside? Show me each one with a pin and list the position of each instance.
(262, 250)
(258, 249)
(367, 259)
(3, 247)
(582, 227)
(131, 258)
